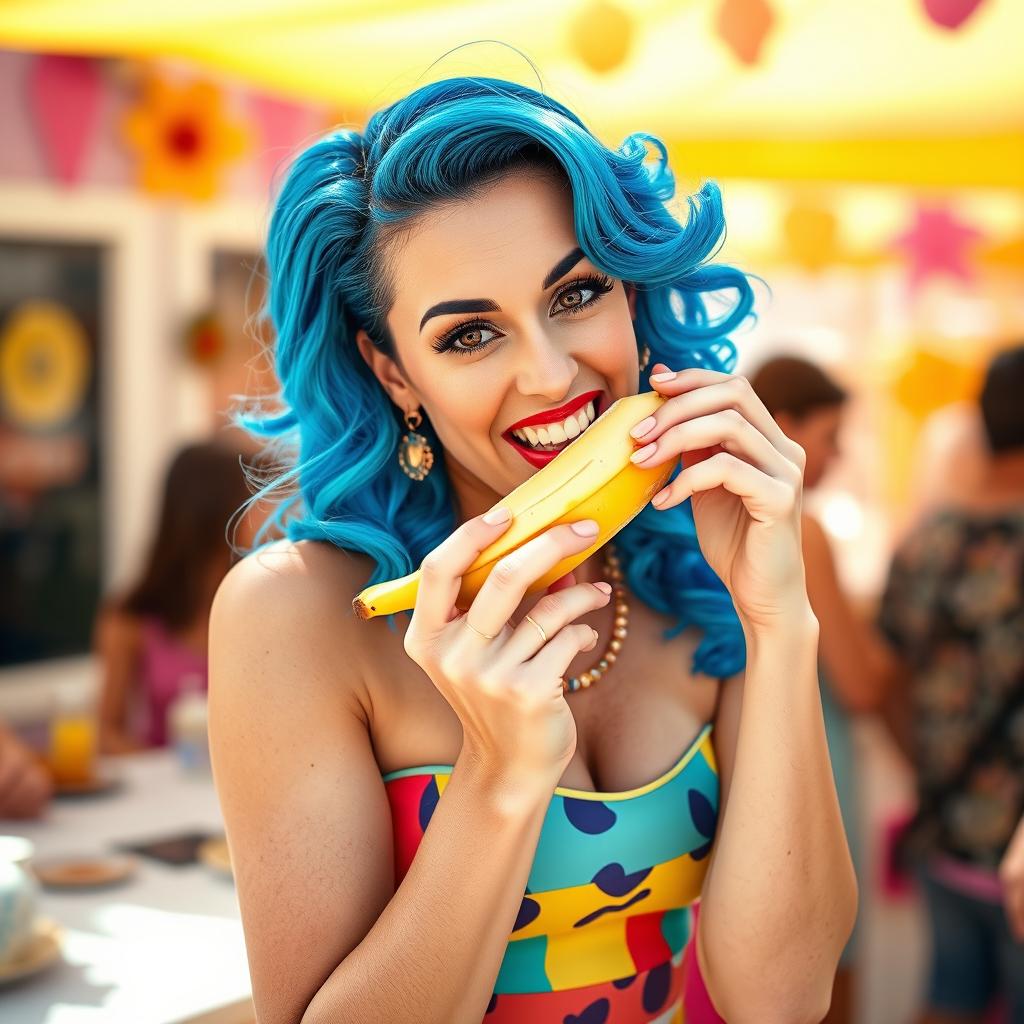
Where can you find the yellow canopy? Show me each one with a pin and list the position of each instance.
(841, 89)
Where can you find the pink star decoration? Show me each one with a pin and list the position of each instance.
(937, 243)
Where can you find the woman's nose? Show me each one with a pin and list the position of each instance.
(546, 368)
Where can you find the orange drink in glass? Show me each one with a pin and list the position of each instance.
(73, 740)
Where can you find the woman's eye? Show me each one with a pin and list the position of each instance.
(581, 293)
(476, 337)
(576, 297)
(468, 339)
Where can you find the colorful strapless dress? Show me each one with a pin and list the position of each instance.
(606, 917)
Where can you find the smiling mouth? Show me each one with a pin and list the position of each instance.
(555, 437)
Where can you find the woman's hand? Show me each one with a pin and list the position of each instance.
(745, 478)
(25, 784)
(506, 691)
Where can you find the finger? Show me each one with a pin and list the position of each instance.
(552, 613)
(764, 497)
(727, 428)
(514, 573)
(442, 569)
(705, 391)
(554, 658)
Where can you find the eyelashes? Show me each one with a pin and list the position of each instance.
(599, 284)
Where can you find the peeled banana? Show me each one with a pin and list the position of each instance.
(592, 478)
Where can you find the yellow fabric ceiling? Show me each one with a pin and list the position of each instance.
(867, 70)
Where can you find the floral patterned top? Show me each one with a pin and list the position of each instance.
(954, 609)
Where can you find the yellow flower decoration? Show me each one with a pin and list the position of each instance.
(183, 137)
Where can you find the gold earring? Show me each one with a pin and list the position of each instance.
(415, 455)
(645, 357)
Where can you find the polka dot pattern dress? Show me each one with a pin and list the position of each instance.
(602, 932)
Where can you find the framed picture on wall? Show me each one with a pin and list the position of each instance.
(51, 507)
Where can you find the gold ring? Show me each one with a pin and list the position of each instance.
(543, 635)
(486, 636)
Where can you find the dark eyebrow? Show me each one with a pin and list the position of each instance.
(562, 267)
(461, 306)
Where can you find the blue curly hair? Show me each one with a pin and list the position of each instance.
(335, 431)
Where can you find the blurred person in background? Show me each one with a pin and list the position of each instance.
(152, 638)
(853, 661)
(25, 784)
(949, 460)
(953, 608)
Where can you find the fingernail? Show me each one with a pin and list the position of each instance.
(660, 498)
(660, 378)
(645, 453)
(585, 528)
(605, 588)
(597, 635)
(643, 427)
(497, 515)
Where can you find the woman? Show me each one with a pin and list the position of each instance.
(953, 610)
(152, 639)
(479, 259)
(854, 663)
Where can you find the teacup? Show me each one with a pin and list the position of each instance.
(19, 897)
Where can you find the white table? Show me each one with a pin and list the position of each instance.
(162, 948)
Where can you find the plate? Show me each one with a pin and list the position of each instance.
(105, 782)
(85, 872)
(214, 854)
(42, 952)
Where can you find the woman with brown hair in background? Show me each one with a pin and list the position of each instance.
(151, 640)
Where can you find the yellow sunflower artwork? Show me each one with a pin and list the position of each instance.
(183, 136)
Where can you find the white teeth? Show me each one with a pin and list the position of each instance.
(557, 433)
(553, 435)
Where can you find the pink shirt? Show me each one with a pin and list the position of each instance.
(164, 667)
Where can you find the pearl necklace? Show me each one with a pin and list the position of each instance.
(619, 627)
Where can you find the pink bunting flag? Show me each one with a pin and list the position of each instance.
(950, 14)
(64, 97)
(283, 125)
(744, 25)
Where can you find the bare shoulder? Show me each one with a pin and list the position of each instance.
(307, 572)
(289, 605)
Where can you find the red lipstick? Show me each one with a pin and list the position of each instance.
(537, 458)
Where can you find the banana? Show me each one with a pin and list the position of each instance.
(592, 478)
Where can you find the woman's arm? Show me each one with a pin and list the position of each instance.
(780, 895)
(857, 663)
(779, 898)
(117, 644)
(1011, 874)
(309, 825)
